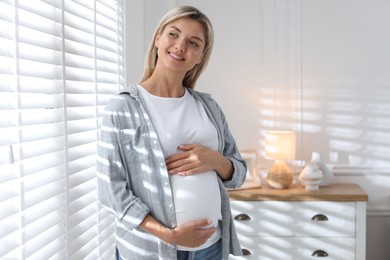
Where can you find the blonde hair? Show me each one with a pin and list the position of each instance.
(181, 12)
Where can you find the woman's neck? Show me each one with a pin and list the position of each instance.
(163, 86)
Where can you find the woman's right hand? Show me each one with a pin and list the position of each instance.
(192, 234)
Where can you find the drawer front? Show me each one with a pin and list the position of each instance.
(284, 248)
(283, 218)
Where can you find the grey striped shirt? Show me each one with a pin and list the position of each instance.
(133, 180)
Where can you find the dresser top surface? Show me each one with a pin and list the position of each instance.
(334, 192)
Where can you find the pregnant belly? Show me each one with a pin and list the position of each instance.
(196, 197)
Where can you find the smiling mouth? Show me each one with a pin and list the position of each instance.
(175, 57)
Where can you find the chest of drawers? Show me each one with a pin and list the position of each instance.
(295, 223)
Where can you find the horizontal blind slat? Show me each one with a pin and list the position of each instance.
(42, 147)
(76, 35)
(50, 220)
(84, 246)
(11, 246)
(43, 193)
(83, 165)
(7, 13)
(8, 118)
(107, 89)
(40, 9)
(46, 244)
(106, 22)
(87, 150)
(42, 86)
(55, 249)
(80, 10)
(9, 228)
(106, 39)
(7, 48)
(82, 138)
(10, 207)
(42, 131)
(107, 54)
(40, 179)
(76, 101)
(80, 74)
(9, 190)
(7, 168)
(34, 164)
(90, 5)
(6, 69)
(46, 116)
(107, 77)
(107, 8)
(107, 66)
(82, 220)
(82, 181)
(40, 100)
(39, 38)
(79, 62)
(8, 136)
(37, 53)
(82, 125)
(40, 69)
(83, 24)
(40, 210)
(81, 87)
(80, 49)
(54, 3)
(40, 24)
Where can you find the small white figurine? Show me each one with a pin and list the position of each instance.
(311, 176)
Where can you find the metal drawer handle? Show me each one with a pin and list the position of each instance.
(319, 217)
(319, 253)
(242, 216)
(245, 252)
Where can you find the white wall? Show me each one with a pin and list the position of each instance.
(320, 67)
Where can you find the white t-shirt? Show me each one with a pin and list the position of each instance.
(184, 121)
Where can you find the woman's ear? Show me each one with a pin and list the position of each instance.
(156, 40)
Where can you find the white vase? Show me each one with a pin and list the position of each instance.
(326, 171)
(311, 176)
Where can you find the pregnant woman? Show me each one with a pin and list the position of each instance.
(166, 155)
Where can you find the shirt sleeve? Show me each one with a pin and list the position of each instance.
(232, 152)
(113, 180)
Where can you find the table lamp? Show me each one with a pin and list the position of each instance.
(280, 146)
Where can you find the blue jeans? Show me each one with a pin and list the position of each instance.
(213, 252)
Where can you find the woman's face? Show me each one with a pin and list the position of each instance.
(180, 45)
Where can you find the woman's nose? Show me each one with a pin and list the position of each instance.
(180, 45)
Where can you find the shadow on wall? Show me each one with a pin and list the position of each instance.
(348, 123)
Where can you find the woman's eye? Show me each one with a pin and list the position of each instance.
(194, 43)
(173, 34)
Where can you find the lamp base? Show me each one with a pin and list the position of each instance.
(280, 176)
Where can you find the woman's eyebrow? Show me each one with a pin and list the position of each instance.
(193, 37)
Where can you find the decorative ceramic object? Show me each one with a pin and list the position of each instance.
(326, 172)
(311, 176)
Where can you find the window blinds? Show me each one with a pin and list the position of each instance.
(60, 62)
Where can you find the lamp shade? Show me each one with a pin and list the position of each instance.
(280, 145)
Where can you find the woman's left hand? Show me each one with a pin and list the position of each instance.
(196, 158)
